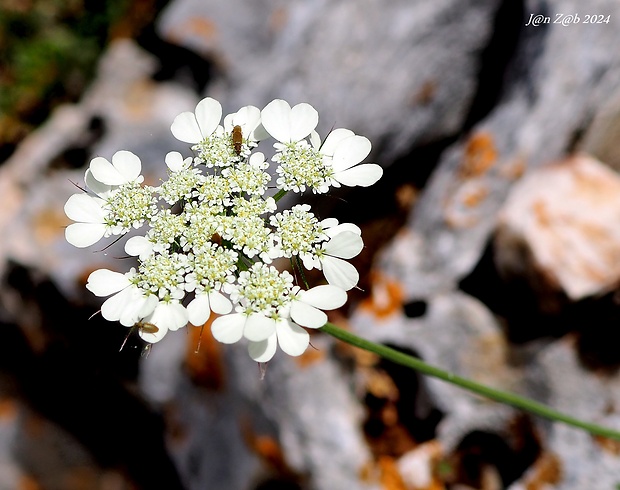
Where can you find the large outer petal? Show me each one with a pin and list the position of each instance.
(339, 228)
(83, 235)
(228, 329)
(304, 118)
(247, 117)
(199, 309)
(345, 245)
(84, 208)
(185, 128)
(350, 151)
(99, 188)
(128, 306)
(208, 116)
(263, 351)
(307, 315)
(171, 316)
(174, 161)
(139, 246)
(276, 117)
(127, 164)
(333, 138)
(339, 273)
(104, 282)
(292, 339)
(149, 336)
(103, 171)
(219, 303)
(325, 297)
(363, 175)
(258, 327)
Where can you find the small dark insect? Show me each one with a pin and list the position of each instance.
(237, 139)
(147, 327)
(144, 327)
(216, 238)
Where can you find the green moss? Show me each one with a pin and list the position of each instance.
(48, 54)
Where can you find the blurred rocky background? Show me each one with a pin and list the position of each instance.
(492, 245)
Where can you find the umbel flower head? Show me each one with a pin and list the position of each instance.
(211, 232)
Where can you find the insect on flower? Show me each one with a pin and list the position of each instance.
(237, 139)
(142, 327)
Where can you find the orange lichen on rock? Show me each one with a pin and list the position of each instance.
(611, 446)
(201, 27)
(390, 477)
(48, 224)
(479, 156)
(546, 472)
(203, 359)
(27, 482)
(310, 356)
(474, 197)
(386, 297)
(8, 409)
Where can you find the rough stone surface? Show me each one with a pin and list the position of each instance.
(558, 227)
(481, 100)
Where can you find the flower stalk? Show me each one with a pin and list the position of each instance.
(505, 397)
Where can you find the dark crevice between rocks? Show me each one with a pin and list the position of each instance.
(415, 309)
(401, 413)
(69, 370)
(78, 153)
(175, 62)
(495, 60)
(508, 456)
(530, 312)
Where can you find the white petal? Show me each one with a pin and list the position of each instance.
(83, 235)
(139, 246)
(257, 159)
(208, 115)
(104, 282)
(345, 245)
(84, 209)
(116, 307)
(329, 223)
(199, 310)
(125, 167)
(333, 138)
(151, 336)
(304, 118)
(276, 118)
(339, 228)
(325, 297)
(292, 338)
(259, 134)
(350, 151)
(307, 315)
(171, 316)
(185, 128)
(127, 164)
(247, 117)
(315, 140)
(363, 175)
(263, 351)
(174, 161)
(339, 272)
(258, 327)
(228, 329)
(220, 304)
(137, 307)
(99, 188)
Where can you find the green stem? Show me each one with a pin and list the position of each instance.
(279, 195)
(486, 391)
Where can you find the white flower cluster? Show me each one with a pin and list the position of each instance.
(213, 230)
